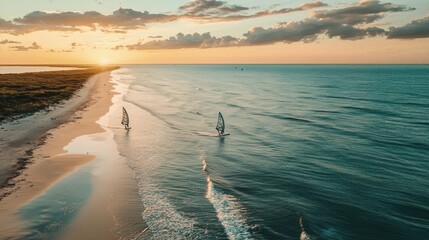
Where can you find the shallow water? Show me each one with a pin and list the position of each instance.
(96, 200)
(315, 151)
(18, 137)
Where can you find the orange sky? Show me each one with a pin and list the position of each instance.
(315, 32)
(326, 51)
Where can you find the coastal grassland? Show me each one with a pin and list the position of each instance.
(25, 93)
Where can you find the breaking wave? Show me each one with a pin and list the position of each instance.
(229, 211)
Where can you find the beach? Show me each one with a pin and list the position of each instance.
(50, 163)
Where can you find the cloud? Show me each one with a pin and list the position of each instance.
(118, 47)
(307, 31)
(345, 23)
(34, 45)
(348, 23)
(210, 7)
(119, 21)
(311, 5)
(352, 22)
(123, 19)
(224, 16)
(362, 12)
(11, 27)
(64, 50)
(416, 29)
(8, 42)
(181, 40)
(306, 6)
(74, 45)
(363, 7)
(120, 18)
(6, 25)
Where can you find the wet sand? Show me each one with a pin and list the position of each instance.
(52, 164)
(19, 138)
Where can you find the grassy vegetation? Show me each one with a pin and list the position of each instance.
(25, 93)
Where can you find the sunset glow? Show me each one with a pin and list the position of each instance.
(210, 31)
(104, 61)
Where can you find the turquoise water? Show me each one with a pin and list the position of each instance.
(315, 151)
(49, 214)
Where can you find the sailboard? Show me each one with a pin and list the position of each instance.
(125, 119)
(220, 126)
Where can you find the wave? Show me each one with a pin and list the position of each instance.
(164, 221)
(420, 123)
(229, 211)
(408, 144)
(324, 111)
(207, 134)
(328, 86)
(373, 111)
(236, 106)
(304, 234)
(354, 99)
(152, 112)
(283, 117)
(203, 162)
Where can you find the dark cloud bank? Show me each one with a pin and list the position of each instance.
(416, 29)
(348, 23)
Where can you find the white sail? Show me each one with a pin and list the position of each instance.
(125, 119)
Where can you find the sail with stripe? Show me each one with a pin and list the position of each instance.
(125, 119)
(220, 126)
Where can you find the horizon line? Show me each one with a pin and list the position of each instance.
(121, 64)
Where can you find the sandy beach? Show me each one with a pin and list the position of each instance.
(51, 163)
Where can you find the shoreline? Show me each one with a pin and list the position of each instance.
(33, 104)
(51, 163)
(22, 136)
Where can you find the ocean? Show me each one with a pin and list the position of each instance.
(314, 151)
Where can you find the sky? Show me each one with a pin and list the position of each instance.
(213, 31)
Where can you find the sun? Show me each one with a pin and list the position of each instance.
(103, 61)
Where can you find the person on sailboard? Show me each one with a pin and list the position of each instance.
(125, 119)
(220, 126)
